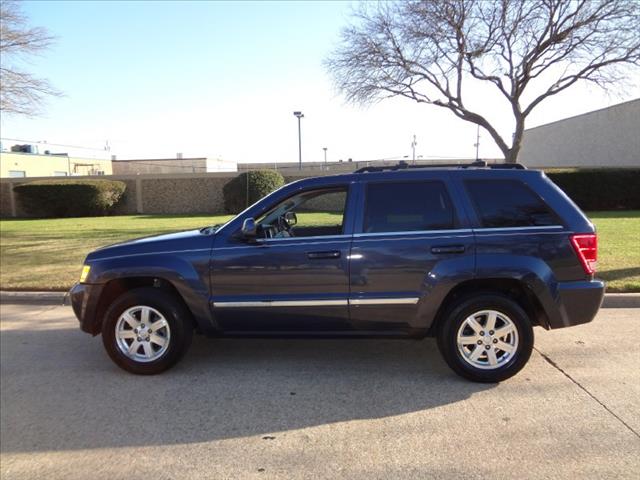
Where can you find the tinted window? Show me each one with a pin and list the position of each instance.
(407, 206)
(508, 203)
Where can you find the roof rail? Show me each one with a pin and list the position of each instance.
(402, 165)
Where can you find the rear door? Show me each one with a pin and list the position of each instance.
(411, 241)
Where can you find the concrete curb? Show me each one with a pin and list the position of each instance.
(611, 300)
(621, 300)
(32, 298)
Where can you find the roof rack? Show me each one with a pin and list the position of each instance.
(402, 165)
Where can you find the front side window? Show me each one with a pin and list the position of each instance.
(408, 206)
(308, 214)
(508, 203)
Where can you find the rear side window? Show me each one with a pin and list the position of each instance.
(407, 206)
(508, 203)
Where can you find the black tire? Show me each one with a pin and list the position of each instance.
(448, 332)
(174, 312)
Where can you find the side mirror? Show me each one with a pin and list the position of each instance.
(249, 228)
(291, 218)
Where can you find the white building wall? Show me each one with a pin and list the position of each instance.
(219, 165)
(604, 138)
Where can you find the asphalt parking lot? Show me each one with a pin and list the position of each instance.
(316, 408)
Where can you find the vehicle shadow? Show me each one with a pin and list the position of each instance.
(59, 390)
(620, 273)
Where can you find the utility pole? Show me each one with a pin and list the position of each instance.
(477, 144)
(325, 157)
(299, 116)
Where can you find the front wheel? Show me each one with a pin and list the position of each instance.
(146, 331)
(486, 338)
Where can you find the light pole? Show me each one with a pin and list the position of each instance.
(299, 115)
(325, 157)
(477, 144)
(413, 147)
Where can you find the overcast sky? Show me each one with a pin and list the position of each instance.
(223, 79)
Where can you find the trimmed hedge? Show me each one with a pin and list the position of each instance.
(249, 187)
(69, 198)
(600, 189)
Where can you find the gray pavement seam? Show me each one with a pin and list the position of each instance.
(584, 389)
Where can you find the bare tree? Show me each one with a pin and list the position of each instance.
(20, 92)
(528, 50)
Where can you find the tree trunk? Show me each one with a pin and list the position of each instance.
(511, 156)
(514, 151)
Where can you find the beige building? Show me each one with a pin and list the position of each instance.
(171, 165)
(349, 166)
(13, 164)
(603, 138)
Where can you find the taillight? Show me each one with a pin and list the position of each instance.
(586, 247)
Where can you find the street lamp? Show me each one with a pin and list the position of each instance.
(299, 115)
(325, 157)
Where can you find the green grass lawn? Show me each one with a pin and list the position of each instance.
(618, 249)
(47, 254)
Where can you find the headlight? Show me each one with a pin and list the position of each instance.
(85, 273)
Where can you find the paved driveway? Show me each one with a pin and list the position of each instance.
(316, 408)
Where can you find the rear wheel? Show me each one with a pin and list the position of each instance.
(486, 338)
(146, 331)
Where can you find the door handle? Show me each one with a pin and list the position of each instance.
(321, 255)
(448, 249)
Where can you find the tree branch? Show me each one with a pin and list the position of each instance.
(426, 50)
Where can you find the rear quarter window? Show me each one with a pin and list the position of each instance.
(508, 203)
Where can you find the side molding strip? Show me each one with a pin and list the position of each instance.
(318, 303)
(384, 301)
(283, 303)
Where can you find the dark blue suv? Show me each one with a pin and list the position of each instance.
(475, 256)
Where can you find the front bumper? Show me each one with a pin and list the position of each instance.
(577, 303)
(84, 301)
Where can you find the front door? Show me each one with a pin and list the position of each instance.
(295, 276)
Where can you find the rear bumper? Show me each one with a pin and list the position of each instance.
(577, 303)
(84, 301)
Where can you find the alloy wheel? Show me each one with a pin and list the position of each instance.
(142, 334)
(487, 339)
